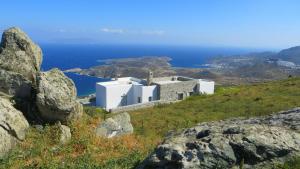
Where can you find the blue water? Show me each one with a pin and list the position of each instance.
(85, 56)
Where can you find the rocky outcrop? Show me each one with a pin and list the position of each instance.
(115, 126)
(13, 126)
(20, 60)
(252, 143)
(56, 97)
(41, 96)
(19, 54)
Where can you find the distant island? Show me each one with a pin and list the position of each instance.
(262, 66)
(139, 67)
(226, 70)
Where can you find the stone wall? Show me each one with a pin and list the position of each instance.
(171, 91)
(139, 106)
(167, 78)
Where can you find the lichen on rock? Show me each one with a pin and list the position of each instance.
(41, 96)
(13, 126)
(56, 97)
(19, 54)
(254, 143)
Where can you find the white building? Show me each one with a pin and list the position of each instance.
(128, 90)
(124, 91)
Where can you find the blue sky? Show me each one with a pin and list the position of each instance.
(240, 23)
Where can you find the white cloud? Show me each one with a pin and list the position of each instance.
(109, 30)
(137, 32)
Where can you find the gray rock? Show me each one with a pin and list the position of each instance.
(65, 134)
(20, 61)
(7, 142)
(255, 142)
(56, 97)
(13, 126)
(115, 126)
(19, 54)
(15, 84)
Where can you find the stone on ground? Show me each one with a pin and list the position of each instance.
(65, 134)
(115, 126)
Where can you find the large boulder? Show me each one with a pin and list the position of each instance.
(19, 54)
(115, 126)
(13, 126)
(251, 143)
(56, 97)
(20, 61)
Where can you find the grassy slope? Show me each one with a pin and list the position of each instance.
(41, 149)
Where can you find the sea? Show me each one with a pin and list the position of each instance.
(67, 56)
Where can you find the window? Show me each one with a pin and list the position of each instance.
(139, 100)
(191, 93)
(149, 99)
(180, 96)
(124, 100)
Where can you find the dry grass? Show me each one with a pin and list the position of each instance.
(42, 150)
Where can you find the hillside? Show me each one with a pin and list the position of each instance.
(256, 67)
(42, 150)
(292, 54)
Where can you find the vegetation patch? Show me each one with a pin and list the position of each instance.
(85, 150)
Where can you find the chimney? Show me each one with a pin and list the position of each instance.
(149, 78)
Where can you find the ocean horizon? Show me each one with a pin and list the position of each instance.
(64, 57)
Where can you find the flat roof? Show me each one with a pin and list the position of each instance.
(121, 81)
(205, 80)
(136, 81)
(167, 81)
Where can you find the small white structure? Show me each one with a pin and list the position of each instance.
(128, 90)
(206, 86)
(124, 91)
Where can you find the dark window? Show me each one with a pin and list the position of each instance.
(139, 100)
(191, 93)
(149, 99)
(124, 100)
(180, 96)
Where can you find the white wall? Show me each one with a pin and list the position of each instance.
(100, 96)
(149, 91)
(110, 96)
(206, 87)
(137, 93)
(114, 95)
(144, 92)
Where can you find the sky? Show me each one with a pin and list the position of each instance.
(237, 23)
